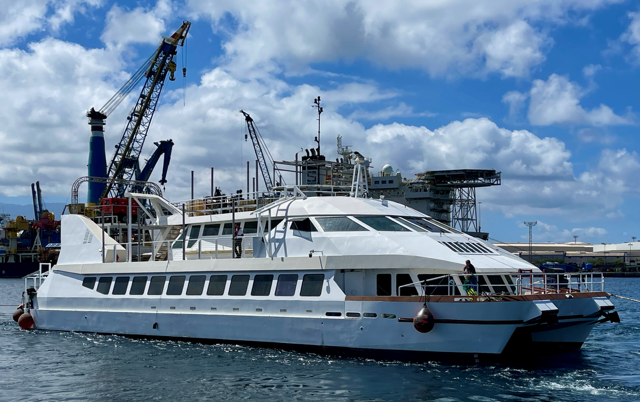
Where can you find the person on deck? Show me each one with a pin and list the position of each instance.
(237, 242)
(470, 283)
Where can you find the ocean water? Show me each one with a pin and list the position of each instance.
(52, 366)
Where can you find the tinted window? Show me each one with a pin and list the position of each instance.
(226, 229)
(412, 225)
(178, 242)
(104, 284)
(435, 287)
(196, 285)
(426, 224)
(261, 285)
(497, 283)
(382, 223)
(176, 284)
(138, 285)
(238, 285)
(383, 284)
(405, 279)
(217, 283)
(304, 225)
(89, 282)
(250, 227)
(156, 287)
(193, 235)
(121, 285)
(312, 285)
(211, 230)
(339, 224)
(286, 284)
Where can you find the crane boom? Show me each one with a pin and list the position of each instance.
(263, 156)
(124, 163)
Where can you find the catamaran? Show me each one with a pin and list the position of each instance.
(346, 275)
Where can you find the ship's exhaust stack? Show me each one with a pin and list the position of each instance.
(97, 156)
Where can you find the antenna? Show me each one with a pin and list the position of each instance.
(316, 104)
(531, 225)
(575, 239)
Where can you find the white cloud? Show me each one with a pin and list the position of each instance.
(516, 101)
(544, 232)
(402, 110)
(21, 18)
(557, 101)
(136, 26)
(443, 38)
(596, 136)
(632, 37)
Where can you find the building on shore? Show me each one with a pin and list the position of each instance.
(576, 252)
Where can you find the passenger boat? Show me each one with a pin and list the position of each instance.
(343, 275)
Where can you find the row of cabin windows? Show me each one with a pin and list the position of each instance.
(383, 181)
(328, 224)
(440, 287)
(219, 229)
(285, 285)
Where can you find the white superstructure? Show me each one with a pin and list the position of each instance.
(338, 274)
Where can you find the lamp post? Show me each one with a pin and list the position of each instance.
(531, 225)
(479, 216)
(629, 259)
(605, 252)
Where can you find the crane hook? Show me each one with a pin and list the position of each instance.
(184, 71)
(172, 69)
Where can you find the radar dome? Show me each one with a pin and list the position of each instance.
(387, 169)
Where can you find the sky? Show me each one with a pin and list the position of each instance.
(543, 91)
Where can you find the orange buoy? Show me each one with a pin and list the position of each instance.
(17, 314)
(423, 321)
(26, 321)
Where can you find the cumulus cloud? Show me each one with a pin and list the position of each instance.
(544, 232)
(632, 37)
(21, 18)
(136, 26)
(443, 38)
(401, 110)
(557, 101)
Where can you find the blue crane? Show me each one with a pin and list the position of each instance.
(125, 163)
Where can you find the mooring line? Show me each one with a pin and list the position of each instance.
(626, 298)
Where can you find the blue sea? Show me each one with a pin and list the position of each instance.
(52, 366)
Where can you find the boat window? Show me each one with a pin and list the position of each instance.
(475, 248)
(305, 225)
(104, 284)
(196, 285)
(438, 287)
(156, 287)
(442, 225)
(250, 227)
(211, 230)
(340, 224)
(312, 285)
(227, 229)
(412, 225)
(405, 279)
(178, 242)
(286, 284)
(89, 282)
(176, 284)
(261, 285)
(193, 235)
(238, 285)
(217, 283)
(465, 247)
(382, 224)
(137, 285)
(426, 224)
(383, 284)
(121, 285)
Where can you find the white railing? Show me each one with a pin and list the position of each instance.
(37, 277)
(519, 284)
